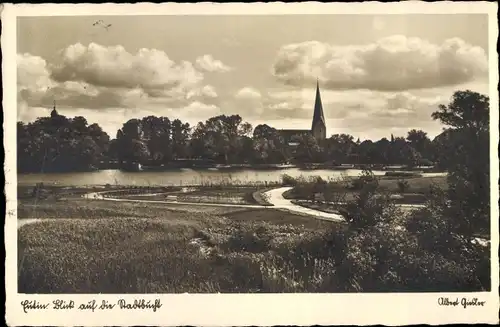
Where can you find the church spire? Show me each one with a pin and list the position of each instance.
(318, 108)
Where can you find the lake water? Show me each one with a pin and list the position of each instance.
(182, 177)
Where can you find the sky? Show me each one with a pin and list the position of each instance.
(378, 74)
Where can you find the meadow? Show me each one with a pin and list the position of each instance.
(159, 249)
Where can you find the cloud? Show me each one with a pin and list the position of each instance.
(26, 113)
(394, 63)
(104, 100)
(114, 67)
(336, 104)
(112, 119)
(193, 111)
(207, 91)
(37, 89)
(199, 110)
(32, 73)
(209, 64)
(248, 93)
(97, 77)
(292, 107)
(398, 110)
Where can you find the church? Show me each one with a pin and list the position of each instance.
(318, 127)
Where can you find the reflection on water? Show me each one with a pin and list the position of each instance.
(182, 177)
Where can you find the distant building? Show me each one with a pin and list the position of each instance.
(54, 113)
(318, 127)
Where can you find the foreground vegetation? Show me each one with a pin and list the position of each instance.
(141, 248)
(260, 250)
(133, 247)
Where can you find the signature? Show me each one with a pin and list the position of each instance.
(464, 302)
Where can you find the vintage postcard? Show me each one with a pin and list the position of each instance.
(251, 164)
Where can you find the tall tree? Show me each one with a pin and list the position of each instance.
(269, 146)
(308, 149)
(339, 147)
(420, 142)
(469, 164)
(180, 138)
(157, 135)
(220, 137)
(131, 147)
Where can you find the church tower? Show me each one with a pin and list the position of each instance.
(54, 113)
(318, 128)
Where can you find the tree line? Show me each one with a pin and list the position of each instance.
(58, 143)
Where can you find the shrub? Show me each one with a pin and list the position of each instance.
(367, 179)
(245, 240)
(432, 230)
(426, 162)
(303, 191)
(287, 180)
(403, 186)
(370, 206)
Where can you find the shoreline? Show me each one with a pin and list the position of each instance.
(256, 167)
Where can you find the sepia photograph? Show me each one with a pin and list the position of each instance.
(255, 154)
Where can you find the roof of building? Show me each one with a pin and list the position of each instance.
(287, 133)
(318, 108)
(318, 116)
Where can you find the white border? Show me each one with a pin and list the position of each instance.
(245, 309)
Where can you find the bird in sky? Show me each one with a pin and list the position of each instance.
(101, 23)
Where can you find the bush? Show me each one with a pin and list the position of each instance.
(432, 231)
(367, 179)
(287, 180)
(403, 186)
(383, 258)
(426, 162)
(249, 241)
(304, 191)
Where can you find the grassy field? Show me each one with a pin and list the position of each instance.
(416, 184)
(416, 187)
(204, 194)
(92, 209)
(123, 247)
(88, 246)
